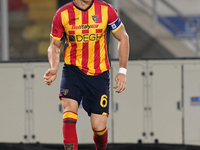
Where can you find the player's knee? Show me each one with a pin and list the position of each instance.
(98, 122)
(98, 126)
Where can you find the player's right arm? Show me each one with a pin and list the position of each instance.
(54, 59)
(54, 48)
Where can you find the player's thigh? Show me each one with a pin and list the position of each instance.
(69, 104)
(98, 122)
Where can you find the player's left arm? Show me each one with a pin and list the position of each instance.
(123, 52)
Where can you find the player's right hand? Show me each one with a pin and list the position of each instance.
(49, 76)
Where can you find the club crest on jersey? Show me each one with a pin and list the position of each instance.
(95, 18)
(69, 146)
(65, 91)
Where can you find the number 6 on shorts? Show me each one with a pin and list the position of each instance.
(104, 101)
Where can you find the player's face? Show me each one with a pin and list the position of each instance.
(83, 3)
(86, 1)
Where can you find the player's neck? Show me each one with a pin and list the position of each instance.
(83, 3)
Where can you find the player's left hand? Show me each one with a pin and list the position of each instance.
(120, 80)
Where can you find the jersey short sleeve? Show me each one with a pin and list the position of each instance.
(114, 22)
(57, 27)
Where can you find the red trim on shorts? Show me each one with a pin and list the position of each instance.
(60, 95)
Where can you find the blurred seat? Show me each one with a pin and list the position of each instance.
(40, 14)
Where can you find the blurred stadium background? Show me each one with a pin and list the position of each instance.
(161, 105)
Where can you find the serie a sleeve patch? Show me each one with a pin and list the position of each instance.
(115, 25)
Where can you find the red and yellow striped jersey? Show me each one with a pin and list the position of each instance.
(87, 34)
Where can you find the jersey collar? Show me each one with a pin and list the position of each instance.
(78, 7)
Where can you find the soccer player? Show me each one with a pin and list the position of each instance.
(85, 26)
